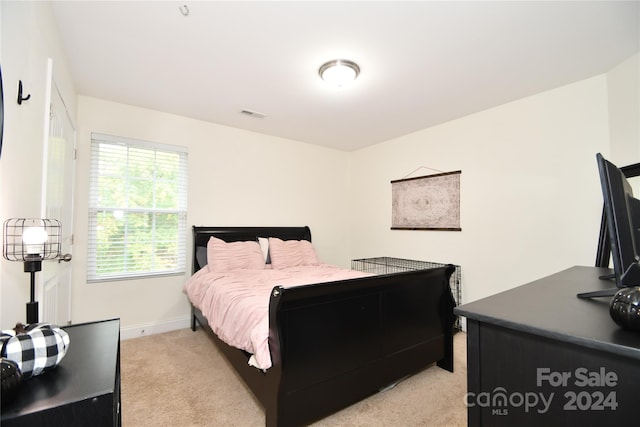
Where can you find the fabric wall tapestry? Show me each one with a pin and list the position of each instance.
(430, 202)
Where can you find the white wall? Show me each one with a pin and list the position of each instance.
(28, 42)
(235, 178)
(624, 111)
(530, 197)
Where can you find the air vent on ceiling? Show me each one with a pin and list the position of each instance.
(253, 114)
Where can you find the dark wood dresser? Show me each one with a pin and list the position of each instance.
(83, 390)
(537, 355)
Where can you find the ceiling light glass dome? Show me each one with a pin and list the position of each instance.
(339, 72)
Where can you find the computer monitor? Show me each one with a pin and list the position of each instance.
(622, 219)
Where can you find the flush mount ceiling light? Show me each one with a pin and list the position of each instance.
(339, 72)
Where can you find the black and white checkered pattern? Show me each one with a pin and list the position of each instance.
(42, 347)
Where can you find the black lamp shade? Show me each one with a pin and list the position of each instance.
(17, 230)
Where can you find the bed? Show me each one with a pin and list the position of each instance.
(334, 343)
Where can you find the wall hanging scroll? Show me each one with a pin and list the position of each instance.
(430, 202)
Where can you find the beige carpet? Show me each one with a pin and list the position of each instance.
(180, 379)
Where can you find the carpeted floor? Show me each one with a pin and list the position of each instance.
(180, 378)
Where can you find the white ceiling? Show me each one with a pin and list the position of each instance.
(422, 62)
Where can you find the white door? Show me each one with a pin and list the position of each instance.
(60, 166)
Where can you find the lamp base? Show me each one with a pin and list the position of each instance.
(33, 264)
(32, 312)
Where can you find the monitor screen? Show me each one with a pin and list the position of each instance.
(622, 218)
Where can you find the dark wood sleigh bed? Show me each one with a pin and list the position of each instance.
(333, 344)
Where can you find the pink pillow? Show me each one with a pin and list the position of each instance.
(223, 256)
(291, 253)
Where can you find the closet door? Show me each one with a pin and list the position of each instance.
(59, 185)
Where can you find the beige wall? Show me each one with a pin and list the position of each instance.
(623, 84)
(530, 201)
(235, 178)
(530, 195)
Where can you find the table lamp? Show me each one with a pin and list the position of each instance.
(32, 240)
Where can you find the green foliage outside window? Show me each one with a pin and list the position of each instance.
(139, 212)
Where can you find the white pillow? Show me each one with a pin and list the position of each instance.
(264, 246)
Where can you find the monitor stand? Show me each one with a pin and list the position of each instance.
(595, 294)
(602, 293)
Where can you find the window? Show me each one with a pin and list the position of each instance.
(137, 209)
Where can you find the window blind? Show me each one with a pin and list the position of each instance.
(137, 208)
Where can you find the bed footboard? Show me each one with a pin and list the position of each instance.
(337, 343)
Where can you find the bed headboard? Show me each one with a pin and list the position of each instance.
(201, 236)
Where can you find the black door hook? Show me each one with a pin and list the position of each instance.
(20, 97)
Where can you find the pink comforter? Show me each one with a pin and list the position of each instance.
(236, 303)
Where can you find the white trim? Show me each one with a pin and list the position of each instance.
(45, 138)
(138, 142)
(137, 331)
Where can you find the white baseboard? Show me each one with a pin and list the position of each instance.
(137, 331)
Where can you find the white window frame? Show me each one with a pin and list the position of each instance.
(96, 207)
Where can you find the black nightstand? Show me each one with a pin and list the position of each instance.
(83, 390)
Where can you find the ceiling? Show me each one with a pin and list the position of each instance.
(422, 62)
